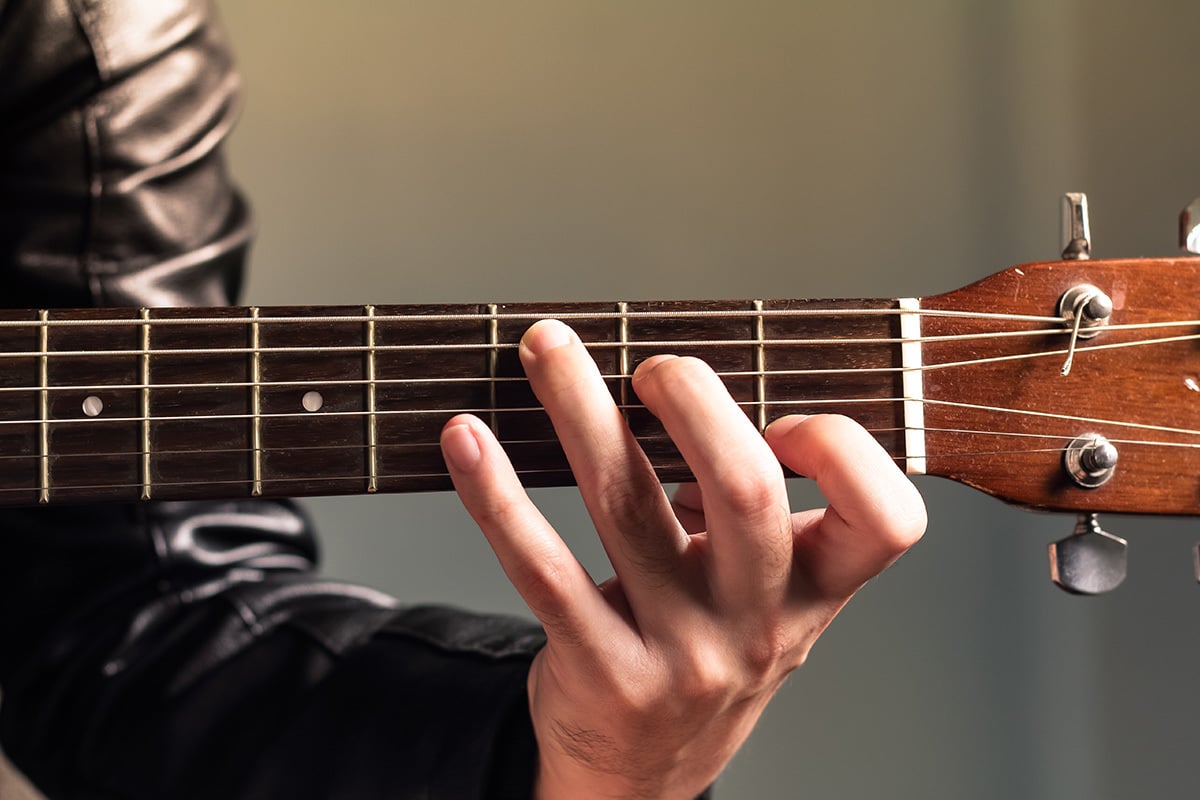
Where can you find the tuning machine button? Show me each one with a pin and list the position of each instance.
(1090, 560)
(1189, 242)
(1076, 233)
(1189, 228)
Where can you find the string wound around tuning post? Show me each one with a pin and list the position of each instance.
(1086, 309)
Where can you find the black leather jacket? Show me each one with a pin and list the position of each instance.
(179, 650)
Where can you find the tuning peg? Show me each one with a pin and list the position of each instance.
(1076, 233)
(1090, 560)
(1189, 228)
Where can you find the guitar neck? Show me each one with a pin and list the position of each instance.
(989, 385)
(128, 404)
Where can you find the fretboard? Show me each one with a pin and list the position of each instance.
(128, 404)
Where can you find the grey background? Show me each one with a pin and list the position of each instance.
(579, 149)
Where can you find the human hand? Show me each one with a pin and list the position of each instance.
(650, 682)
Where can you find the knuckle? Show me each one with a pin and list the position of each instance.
(747, 491)
(766, 654)
(495, 512)
(623, 501)
(543, 582)
(708, 678)
(637, 696)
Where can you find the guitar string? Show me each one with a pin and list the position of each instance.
(470, 347)
(403, 412)
(748, 312)
(528, 316)
(485, 348)
(642, 439)
(674, 466)
(288, 480)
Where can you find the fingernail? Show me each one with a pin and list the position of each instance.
(784, 425)
(646, 367)
(545, 335)
(459, 446)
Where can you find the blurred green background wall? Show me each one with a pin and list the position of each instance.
(579, 149)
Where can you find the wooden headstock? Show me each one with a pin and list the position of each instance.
(1000, 414)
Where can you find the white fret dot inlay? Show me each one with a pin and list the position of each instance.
(312, 401)
(92, 405)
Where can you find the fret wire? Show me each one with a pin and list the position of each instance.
(255, 407)
(563, 316)
(372, 431)
(760, 366)
(623, 357)
(493, 336)
(145, 402)
(44, 407)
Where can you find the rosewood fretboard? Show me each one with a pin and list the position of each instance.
(225, 402)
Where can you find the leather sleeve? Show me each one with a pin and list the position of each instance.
(189, 650)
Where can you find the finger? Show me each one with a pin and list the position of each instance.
(624, 497)
(875, 513)
(745, 500)
(543, 570)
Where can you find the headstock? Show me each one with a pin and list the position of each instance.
(1075, 386)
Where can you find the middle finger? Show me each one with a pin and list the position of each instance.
(745, 500)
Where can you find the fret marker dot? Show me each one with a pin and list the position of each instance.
(92, 405)
(312, 401)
